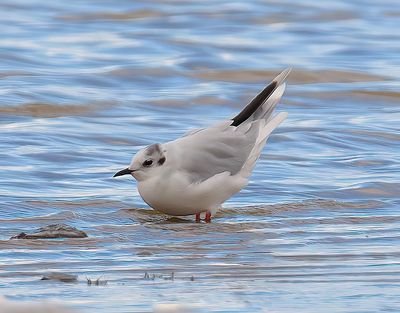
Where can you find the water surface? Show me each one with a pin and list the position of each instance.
(84, 85)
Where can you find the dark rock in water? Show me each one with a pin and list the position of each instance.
(20, 236)
(53, 231)
(65, 278)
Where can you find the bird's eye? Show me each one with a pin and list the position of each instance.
(147, 163)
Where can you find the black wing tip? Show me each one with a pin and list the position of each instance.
(261, 98)
(254, 104)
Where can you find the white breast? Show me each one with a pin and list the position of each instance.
(174, 195)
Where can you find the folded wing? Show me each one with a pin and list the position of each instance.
(233, 146)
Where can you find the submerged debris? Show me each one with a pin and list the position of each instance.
(97, 282)
(147, 276)
(53, 231)
(65, 278)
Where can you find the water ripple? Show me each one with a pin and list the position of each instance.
(85, 85)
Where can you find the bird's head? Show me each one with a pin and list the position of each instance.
(145, 163)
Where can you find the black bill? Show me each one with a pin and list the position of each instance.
(123, 172)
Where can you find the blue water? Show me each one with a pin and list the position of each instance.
(86, 84)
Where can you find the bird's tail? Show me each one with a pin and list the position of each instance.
(263, 105)
(265, 129)
(262, 120)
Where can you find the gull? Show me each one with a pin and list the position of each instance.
(201, 170)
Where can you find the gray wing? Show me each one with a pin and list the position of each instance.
(226, 147)
(214, 150)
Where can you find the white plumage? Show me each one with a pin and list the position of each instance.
(200, 171)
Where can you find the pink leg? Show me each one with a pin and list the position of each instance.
(208, 217)
(197, 217)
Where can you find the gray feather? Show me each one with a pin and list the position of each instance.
(214, 150)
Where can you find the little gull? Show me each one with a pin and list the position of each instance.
(199, 171)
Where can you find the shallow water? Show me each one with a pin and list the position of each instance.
(84, 85)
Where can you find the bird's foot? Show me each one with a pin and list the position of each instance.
(207, 218)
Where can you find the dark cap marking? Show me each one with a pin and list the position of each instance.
(156, 147)
(161, 161)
